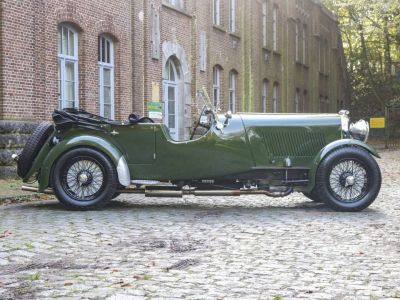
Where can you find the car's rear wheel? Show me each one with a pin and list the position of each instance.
(84, 179)
(348, 179)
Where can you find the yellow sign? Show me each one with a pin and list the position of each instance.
(155, 92)
(377, 122)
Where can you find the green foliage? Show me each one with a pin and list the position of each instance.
(371, 38)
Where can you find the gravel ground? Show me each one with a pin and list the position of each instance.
(204, 248)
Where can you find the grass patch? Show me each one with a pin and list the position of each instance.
(33, 277)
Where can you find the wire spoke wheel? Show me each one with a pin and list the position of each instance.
(83, 179)
(348, 180)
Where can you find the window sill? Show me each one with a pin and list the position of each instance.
(220, 28)
(323, 74)
(276, 52)
(176, 9)
(235, 35)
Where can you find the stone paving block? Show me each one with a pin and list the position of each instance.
(249, 247)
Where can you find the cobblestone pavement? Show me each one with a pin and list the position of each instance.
(204, 248)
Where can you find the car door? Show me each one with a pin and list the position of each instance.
(137, 143)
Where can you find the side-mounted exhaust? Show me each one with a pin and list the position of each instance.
(164, 192)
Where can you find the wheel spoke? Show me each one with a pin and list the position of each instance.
(83, 179)
(348, 180)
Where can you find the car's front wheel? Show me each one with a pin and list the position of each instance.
(84, 179)
(348, 179)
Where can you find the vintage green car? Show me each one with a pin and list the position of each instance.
(87, 160)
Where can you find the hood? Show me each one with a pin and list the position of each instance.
(291, 120)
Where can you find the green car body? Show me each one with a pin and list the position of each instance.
(245, 148)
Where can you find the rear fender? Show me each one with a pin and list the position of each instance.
(331, 147)
(87, 141)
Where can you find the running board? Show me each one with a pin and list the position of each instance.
(173, 193)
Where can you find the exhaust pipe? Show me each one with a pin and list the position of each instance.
(33, 189)
(180, 193)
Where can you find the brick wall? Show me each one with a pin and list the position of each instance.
(28, 47)
(29, 31)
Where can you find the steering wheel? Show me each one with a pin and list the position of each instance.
(198, 123)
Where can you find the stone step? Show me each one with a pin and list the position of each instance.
(5, 156)
(20, 127)
(8, 172)
(13, 141)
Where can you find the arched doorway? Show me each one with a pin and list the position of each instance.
(172, 98)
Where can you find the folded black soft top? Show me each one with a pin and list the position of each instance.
(73, 116)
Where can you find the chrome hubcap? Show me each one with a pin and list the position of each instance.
(84, 179)
(348, 181)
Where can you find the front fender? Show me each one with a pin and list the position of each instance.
(331, 147)
(93, 142)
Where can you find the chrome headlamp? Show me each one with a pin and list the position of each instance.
(360, 130)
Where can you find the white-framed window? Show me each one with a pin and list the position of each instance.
(176, 3)
(275, 100)
(232, 15)
(106, 77)
(216, 12)
(216, 86)
(68, 84)
(264, 96)
(297, 104)
(326, 57)
(232, 90)
(171, 98)
(304, 42)
(297, 41)
(305, 102)
(326, 104)
(321, 104)
(265, 23)
(275, 28)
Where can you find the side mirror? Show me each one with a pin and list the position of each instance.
(228, 116)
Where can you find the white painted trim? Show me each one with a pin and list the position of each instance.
(63, 59)
(107, 66)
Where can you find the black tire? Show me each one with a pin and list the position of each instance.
(312, 196)
(100, 174)
(345, 171)
(32, 147)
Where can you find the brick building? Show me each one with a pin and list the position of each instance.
(116, 57)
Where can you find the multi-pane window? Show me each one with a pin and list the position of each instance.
(232, 90)
(216, 12)
(297, 104)
(275, 103)
(216, 86)
(297, 41)
(305, 101)
(265, 23)
(326, 104)
(176, 3)
(232, 15)
(264, 96)
(321, 104)
(304, 42)
(106, 77)
(67, 67)
(275, 28)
